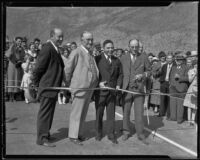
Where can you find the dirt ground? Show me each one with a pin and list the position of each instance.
(21, 134)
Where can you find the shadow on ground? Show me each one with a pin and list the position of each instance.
(154, 123)
(11, 120)
(89, 130)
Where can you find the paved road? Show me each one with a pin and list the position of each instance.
(21, 135)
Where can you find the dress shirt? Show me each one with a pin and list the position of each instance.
(108, 58)
(169, 66)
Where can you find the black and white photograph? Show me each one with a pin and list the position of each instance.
(101, 80)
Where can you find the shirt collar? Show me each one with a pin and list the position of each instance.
(106, 55)
(85, 49)
(56, 48)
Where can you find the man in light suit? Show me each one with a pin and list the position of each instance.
(136, 68)
(81, 72)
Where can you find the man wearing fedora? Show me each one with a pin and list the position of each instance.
(176, 87)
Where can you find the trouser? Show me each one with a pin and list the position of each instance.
(176, 106)
(164, 100)
(45, 117)
(101, 102)
(138, 112)
(78, 114)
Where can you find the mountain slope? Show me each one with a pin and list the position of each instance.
(159, 28)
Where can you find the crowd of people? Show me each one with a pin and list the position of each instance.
(170, 79)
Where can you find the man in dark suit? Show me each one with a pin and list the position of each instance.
(177, 86)
(164, 74)
(110, 74)
(136, 68)
(48, 72)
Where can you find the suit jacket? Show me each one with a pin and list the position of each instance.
(78, 71)
(162, 73)
(111, 73)
(179, 86)
(141, 66)
(48, 71)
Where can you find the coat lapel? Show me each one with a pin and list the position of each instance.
(85, 56)
(137, 63)
(59, 58)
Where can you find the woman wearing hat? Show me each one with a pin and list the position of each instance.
(15, 54)
(190, 100)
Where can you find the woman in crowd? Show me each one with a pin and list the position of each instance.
(15, 55)
(190, 100)
(28, 66)
(155, 98)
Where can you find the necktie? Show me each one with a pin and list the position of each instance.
(133, 58)
(109, 60)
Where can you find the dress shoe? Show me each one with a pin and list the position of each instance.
(47, 144)
(98, 138)
(159, 115)
(81, 138)
(50, 138)
(76, 141)
(143, 140)
(125, 137)
(113, 140)
(180, 122)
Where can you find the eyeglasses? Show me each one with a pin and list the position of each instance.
(134, 47)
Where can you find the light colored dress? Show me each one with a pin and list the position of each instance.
(26, 80)
(191, 99)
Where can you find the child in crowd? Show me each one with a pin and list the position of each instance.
(28, 66)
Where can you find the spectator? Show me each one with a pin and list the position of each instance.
(190, 100)
(5, 67)
(97, 49)
(28, 66)
(155, 99)
(37, 43)
(24, 44)
(150, 57)
(15, 55)
(119, 53)
(61, 95)
(69, 47)
(73, 46)
(176, 86)
(66, 51)
(164, 73)
(162, 57)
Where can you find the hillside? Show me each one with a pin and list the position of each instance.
(159, 28)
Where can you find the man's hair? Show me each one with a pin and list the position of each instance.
(132, 40)
(161, 54)
(107, 41)
(170, 53)
(151, 54)
(37, 39)
(73, 43)
(84, 33)
(16, 38)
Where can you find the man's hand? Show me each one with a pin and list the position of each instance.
(102, 84)
(117, 87)
(18, 64)
(139, 77)
(177, 77)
